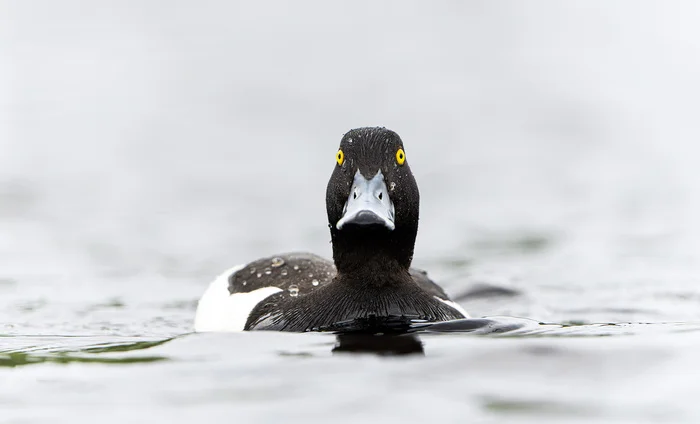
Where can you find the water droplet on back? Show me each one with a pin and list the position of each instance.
(259, 275)
(294, 290)
(252, 270)
(314, 282)
(296, 267)
(277, 262)
(268, 271)
(283, 272)
(245, 282)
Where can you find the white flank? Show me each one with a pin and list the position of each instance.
(218, 310)
(453, 305)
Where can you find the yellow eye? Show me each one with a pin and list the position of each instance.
(340, 157)
(400, 157)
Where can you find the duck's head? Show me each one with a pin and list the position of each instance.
(372, 201)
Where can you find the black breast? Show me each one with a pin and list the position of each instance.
(353, 304)
(312, 299)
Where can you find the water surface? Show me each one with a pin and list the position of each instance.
(146, 148)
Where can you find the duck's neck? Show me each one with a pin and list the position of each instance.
(375, 256)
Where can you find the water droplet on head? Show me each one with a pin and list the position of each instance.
(283, 272)
(311, 276)
(259, 275)
(294, 290)
(245, 282)
(392, 186)
(296, 267)
(314, 282)
(277, 262)
(268, 271)
(252, 270)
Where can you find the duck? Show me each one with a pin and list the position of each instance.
(372, 204)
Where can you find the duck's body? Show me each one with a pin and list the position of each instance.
(372, 202)
(274, 294)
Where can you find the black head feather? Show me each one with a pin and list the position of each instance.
(370, 150)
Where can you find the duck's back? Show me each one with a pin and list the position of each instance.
(227, 303)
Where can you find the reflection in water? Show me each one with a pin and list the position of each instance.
(476, 325)
(126, 347)
(392, 343)
(101, 353)
(379, 344)
(398, 336)
(17, 359)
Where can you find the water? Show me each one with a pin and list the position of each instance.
(147, 148)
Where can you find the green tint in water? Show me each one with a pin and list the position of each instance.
(92, 354)
(18, 359)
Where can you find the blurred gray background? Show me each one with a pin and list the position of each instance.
(147, 146)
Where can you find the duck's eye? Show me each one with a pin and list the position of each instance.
(340, 157)
(400, 157)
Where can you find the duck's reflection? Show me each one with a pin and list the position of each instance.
(379, 344)
(396, 336)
